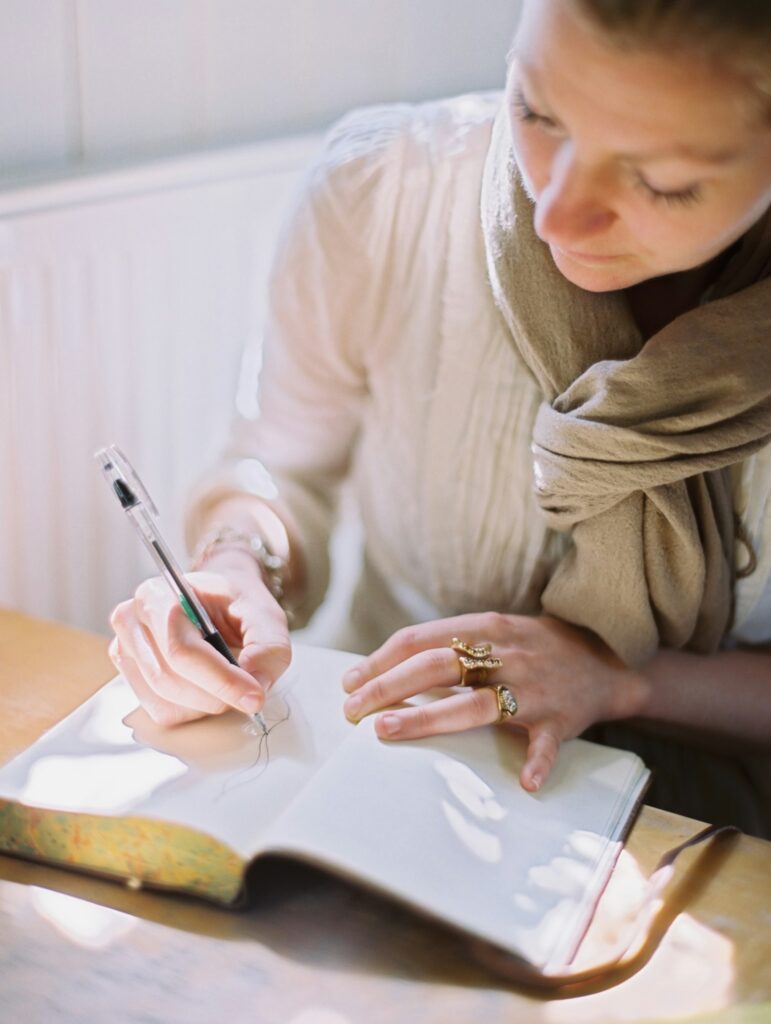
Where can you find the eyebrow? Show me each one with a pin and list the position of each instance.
(705, 156)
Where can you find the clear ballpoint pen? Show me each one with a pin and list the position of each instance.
(141, 510)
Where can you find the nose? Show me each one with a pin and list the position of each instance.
(572, 207)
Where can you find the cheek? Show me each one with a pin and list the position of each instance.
(660, 238)
(671, 240)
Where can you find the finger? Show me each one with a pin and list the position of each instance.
(423, 671)
(262, 623)
(136, 642)
(449, 714)
(133, 641)
(189, 656)
(475, 628)
(542, 751)
(253, 621)
(161, 711)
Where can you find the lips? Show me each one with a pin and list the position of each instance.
(586, 257)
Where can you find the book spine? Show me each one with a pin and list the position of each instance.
(141, 851)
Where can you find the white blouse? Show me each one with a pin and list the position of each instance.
(386, 359)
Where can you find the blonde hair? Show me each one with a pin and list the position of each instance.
(736, 33)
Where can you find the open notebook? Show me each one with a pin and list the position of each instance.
(441, 825)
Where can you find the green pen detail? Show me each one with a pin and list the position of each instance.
(188, 609)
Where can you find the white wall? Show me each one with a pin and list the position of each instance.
(111, 80)
(113, 261)
(126, 299)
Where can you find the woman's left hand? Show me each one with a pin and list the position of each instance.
(563, 678)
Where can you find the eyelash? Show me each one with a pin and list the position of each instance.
(527, 114)
(682, 197)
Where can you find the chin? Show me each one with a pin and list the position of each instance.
(608, 276)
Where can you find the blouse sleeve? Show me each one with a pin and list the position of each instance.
(322, 310)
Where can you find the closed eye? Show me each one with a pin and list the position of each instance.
(676, 197)
(525, 112)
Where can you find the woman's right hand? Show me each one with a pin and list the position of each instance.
(175, 674)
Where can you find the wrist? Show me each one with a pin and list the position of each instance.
(225, 542)
(631, 692)
(227, 560)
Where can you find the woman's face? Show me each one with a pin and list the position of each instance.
(640, 164)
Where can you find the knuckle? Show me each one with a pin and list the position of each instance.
(496, 623)
(175, 642)
(120, 615)
(158, 709)
(548, 746)
(420, 720)
(377, 692)
(148, 592)
(436, 661)
(154, 675)
(142, 594)
(162, 714)
(407, 639)
(278, 650)
(174, 648)
(271, 656)
(520, 669)
(226, 691)
(176, 618)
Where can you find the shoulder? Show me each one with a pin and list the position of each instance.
(430, 130)
(372, 153)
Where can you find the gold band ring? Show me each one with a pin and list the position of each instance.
(476, 662)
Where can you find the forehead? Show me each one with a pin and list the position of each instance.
(635, 97)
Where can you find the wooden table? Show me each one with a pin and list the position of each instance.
(316, 951)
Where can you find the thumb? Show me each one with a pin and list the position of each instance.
(266, 660)
(542, 750)
(265, 648)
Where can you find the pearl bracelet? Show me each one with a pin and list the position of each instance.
(272, 567)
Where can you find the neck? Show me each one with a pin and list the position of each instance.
(658, 301)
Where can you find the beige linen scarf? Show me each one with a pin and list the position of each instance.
(633, 442)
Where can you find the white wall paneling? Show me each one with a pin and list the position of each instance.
(124, 307)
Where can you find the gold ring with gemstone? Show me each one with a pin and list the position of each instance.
(476, 662)
(507, 702)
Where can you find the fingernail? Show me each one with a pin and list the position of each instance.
(352, 706)
(535, 781)
(351, 679)
(251, 703)
(390, 724)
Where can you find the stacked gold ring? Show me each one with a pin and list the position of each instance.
(476, 663)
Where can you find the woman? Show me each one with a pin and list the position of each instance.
(601, 328)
